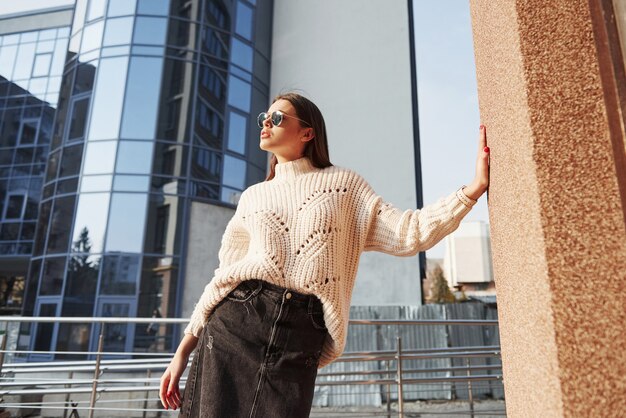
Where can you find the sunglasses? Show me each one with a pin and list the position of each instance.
(276, 118)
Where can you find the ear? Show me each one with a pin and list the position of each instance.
(308, 135)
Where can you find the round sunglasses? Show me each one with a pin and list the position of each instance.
(276, 118)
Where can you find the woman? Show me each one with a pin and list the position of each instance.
(277, 307)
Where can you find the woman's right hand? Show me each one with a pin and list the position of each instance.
(169, 392)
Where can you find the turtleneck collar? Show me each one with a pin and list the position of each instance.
(294, 168)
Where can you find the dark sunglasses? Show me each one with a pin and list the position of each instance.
(276, 118)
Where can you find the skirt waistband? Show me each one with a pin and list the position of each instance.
(278, 292)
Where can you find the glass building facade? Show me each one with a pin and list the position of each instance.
(111, 126)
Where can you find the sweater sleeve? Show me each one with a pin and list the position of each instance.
(234, 246)
(391, 230)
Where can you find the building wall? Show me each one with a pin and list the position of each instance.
(352, 58)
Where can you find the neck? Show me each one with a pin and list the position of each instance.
(293, 168)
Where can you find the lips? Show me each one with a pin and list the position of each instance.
(265, 134)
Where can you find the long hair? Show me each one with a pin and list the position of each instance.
(317, 148)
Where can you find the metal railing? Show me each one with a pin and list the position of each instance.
(80, 386)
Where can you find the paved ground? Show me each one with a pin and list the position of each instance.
(421, 409)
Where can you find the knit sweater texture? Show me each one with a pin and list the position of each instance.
(305, 230)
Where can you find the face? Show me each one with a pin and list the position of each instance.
(288, 140)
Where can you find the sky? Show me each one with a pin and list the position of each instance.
(447, 102)
(447, 97)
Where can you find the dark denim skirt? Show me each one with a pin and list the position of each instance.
(257, 355)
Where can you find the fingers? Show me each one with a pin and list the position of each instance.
(165, 380)
(173, 394)
(483, 149)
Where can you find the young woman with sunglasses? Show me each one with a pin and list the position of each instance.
(276, 309)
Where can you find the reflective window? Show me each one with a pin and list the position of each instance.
(213, 42)
(239, 93)
(243, 25)
(9, 231)
(237, 132)
(42, 231)
(44, 46)
(7, 59)
(142, 98)
(91, 218)
(96, 183)
(47, 34)
(71, 159)
(212, 81)
(60, 222)
(150, 30)
(215, 14)
(241, 54)
(52, 277)
(126, 222)
(118, 31)
(131, 183)
(42, 65)
(120, 273)
(159, 227)
(24, 62)
(78, 119)
(108, 100)
(85, 75)
(92, 36)
(153, 7)
(206, 164)
(234, 172)
(100, 157)
(230, 195)
(134, 157)
(96, 9)
(121, 7)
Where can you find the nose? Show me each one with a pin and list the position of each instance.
(268, 121)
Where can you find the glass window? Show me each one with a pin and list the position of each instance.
(79, 119)
(142, 98)
(58, 58)
(237, 132)
(44, 46)
(230, 195)
(42, 65)
(80, 288)
(120, 275)
(29, 37)
(243, 25)
(24, 62)
(134, 157)
(211, 80)
(118, 31)
(108, 98)
(47, 34)
(7, 59)
(70, 161)
(92, 36)
(85, 75)
(131, 183)
(91, 218)
(96, 183)
(126, 223)
(96, 9)
(241, 54)
(153, 7)
(239, 93)
(234, 172)
(121, 7)
(150, 30)
(52, 277)
(100, 157)
(60, 221)
(15, 206)
(206, 164)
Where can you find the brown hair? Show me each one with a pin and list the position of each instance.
(317, 148)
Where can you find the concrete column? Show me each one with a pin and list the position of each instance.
(556, 207)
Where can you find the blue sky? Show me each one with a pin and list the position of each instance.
(448, 102)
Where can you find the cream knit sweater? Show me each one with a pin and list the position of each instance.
(305, 230)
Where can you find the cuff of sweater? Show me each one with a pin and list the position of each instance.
(468, 201)
(194, 328)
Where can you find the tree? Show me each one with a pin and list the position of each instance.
(439, 290)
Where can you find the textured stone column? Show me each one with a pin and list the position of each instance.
(557, 215)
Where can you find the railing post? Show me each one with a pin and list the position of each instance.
(388, 391)
(68, 404)
(399, 368)
(96, 373)
(469, 387)
(3, 347)
(145, 402)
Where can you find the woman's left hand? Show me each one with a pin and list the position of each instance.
(481, 181)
